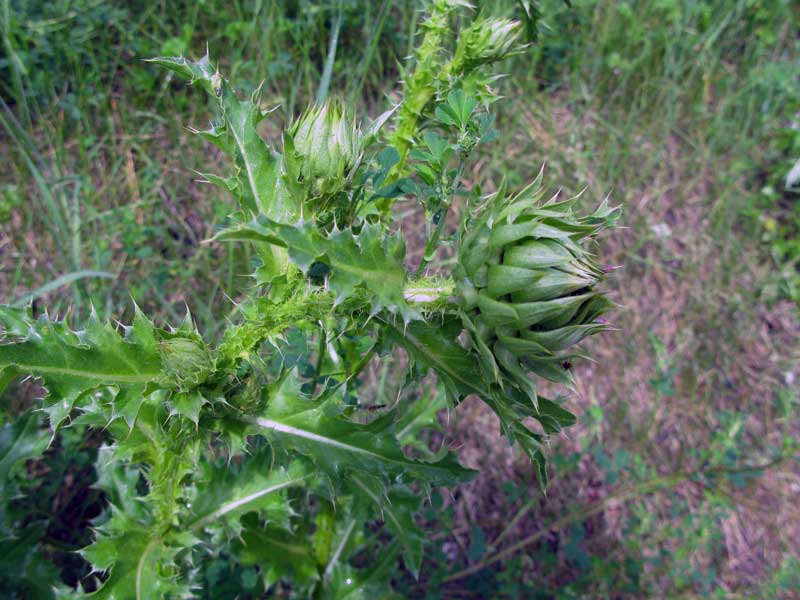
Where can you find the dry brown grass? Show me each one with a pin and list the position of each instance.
(687, 280)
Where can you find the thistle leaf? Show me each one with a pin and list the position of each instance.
(370, 258)
(258, 169)
(23, 569)
(225, 492)
(278, 553)
(347, 583)
(397, 510)
(141, 563)
(436, 348)
(338, 445)
(21, 440)
(74, 363)
(118, 480)
(419, 415)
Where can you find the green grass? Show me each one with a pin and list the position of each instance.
(684, 112)
(92, 134)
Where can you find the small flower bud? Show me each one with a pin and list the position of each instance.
(487, 41)
(186, 362)
(328, 145)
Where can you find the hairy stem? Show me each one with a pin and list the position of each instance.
(419, 86)
(265, 319)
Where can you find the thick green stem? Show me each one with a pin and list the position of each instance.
(419, 86)
(165, 486)
(429, 293)
(265, 320)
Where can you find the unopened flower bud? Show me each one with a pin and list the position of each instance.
(487, 41)
(328, 145)
(186, 362)
(527, 285)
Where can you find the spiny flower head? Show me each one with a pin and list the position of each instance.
(527, 285)
(329, 146)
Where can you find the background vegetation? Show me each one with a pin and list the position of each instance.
(687, 113)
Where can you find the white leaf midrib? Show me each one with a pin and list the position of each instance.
(140, 566)
(84, 374)
(235, 504)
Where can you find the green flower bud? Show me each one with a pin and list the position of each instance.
(487, 41)
(329, 147)
(526, 284)
(186, 362)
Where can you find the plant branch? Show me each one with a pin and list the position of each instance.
(432, 243)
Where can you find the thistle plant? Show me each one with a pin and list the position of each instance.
(266, 444)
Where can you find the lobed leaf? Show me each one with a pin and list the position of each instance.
(348, 583)
(338, 445)
(225, 492)
(72, 364)
(437, 348)
(397, 508)
(21, 440)
(370, 259)
(258, 169)
(140, 561)
(279, 554)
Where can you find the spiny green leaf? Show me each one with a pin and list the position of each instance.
(419, 415)
(140, 561)
(347, 533)
(24, 572)
(338, 445)
(118, 480)
(22, 568)
(436, 347)
(188, 404)
(371, 258)
(73, 363)
(108, 372)
(396, 508)
(259, 168)
(98, 353)
(225, 492)
(278, 553)
(20, 440)
(348, 583)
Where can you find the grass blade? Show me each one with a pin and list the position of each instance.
(58, 282)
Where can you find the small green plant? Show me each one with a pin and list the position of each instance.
(261, 454)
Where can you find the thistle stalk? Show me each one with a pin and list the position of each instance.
(419, 87)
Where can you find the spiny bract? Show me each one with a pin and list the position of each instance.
(527, 285)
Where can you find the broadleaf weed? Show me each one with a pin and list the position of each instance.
(263, 446)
